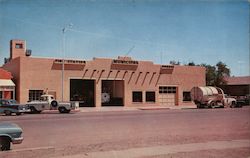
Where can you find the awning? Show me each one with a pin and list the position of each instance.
(4, 82)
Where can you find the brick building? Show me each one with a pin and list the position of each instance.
(102, 82)
(237, 86)
(7, 87)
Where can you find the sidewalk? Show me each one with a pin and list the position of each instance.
(121, 108)
(166, 150)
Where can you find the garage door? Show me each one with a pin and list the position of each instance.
(167, 95)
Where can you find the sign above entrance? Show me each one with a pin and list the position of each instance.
(124, 64)
(60, 61)
(167, 69)
(68, 64)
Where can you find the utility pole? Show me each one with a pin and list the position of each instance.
(64, 29)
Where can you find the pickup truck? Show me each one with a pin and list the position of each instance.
(9, 133)
(47, 102)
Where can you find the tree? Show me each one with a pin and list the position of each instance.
(173, 62)
(210, 74)
(191, 63)
(221, 72)
(215, 75)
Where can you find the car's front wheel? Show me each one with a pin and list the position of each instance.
(33, 110)
(4, 144)
(7, 112)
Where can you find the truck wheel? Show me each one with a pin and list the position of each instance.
(212, 104)
(233, 105)
(7, 112)
(18, 113)
(198, 105)
(34, 111)
(4, 144)
(63, 110)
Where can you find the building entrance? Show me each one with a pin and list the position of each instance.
(83, 91)
(112, 93)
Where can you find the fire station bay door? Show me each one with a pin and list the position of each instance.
(167, 95)
(83, 91)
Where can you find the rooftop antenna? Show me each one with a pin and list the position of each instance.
(129, 51)
(161, 57)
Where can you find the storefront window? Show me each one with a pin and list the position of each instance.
(186, 96)
(137, 96)
(35, 94)
(150, 96)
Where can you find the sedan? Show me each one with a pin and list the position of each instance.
(9, 106)
(10, 133)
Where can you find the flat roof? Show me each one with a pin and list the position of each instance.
(241, 80)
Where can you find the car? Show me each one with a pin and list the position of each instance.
(9, 106)
(9, 133)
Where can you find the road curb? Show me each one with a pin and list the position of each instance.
(28, 152)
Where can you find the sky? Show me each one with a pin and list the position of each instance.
(198, 31)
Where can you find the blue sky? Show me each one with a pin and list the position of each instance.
(157, 30)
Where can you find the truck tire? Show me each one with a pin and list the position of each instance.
(54, 104)
(233, 105)
(34, 111)
(63, 110)
(7, 112)
(4, 143)
(198, 105)
(212, 104)
(18, 113)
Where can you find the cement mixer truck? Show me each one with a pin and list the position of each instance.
(211, 97)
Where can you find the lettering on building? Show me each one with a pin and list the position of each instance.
(124, 64)
(68, 64)
(167, 69)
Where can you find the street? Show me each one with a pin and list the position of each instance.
(220, 132)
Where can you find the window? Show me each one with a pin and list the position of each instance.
(186, 96)
(166, 89)
(35, 94)
(1, 94)
(150, 96)
(19, 45)
(137, 96)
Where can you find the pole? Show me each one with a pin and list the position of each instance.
(63, 56)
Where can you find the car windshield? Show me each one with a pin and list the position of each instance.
(12, 101)
(43, 98)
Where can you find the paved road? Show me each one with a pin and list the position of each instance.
(95, 134)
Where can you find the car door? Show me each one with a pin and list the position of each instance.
(1, 108)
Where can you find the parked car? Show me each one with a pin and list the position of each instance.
(9, 106)
(10, 133)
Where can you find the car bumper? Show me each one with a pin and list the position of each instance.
(23, 111)
(17, 140)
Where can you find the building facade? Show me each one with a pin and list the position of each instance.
(102, 82)
(7, 86)
(237, 86)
